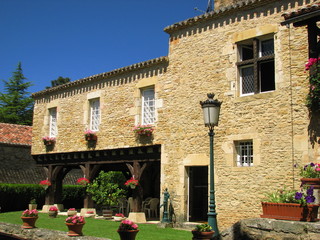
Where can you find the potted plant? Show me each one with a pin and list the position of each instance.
(106, 191)
(53, 212)
(45, 184)
(48, 141)
(83, 181)
(90, 135)
(75, 225)
(202, 231)
(29, 218)
(127, 230)
(119, 217)
(33, 204)
(290, 205)
(143, 130)
(132, 183)
(310, 174)
(71, 212)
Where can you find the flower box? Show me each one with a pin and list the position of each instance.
(290, 211)
(90, 135)
(143, 130)
(49, 141)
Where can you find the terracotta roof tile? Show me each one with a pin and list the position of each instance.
(15, 134)
(301, 11)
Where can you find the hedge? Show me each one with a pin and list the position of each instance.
(16, 197)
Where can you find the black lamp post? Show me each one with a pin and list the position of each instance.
(211, 111)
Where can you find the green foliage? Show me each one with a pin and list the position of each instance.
(18, 196)
(16, 105)
(311, 170)
(72, 196)
(59, 81)
(203, 228)
(107, 188)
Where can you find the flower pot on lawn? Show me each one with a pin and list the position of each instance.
(202, 235)
(75, 229)
(128, 234)
(290, 211)
(29, 222)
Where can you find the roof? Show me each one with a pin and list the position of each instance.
(301, 11)
(301, 14)
(129, 68)
(15, 134)
(239, 5)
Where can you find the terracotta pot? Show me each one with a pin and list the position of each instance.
(202, 235)
(290, 211)
(128, 235)
(52, 214)
(75, 229)
(29, 222)
(315, 182)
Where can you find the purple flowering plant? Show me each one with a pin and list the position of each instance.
(303, 197)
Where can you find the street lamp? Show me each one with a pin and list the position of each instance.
(211, 111)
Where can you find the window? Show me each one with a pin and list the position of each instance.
(53, 128)
(94, 114)
(256, 66)
(244, 153)
(148, 106)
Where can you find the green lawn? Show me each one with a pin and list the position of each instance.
(101, 228)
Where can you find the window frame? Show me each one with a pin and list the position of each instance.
(256, 62)
(244, 153)
(53, 122)
(95, 114)
(150, 120)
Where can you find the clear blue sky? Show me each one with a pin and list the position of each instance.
(80, 38)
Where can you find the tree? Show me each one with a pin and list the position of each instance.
(16, 105)
(59, 81)
(107, 188)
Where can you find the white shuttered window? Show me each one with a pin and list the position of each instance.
(94, 114)
(53, 128)
(148, 106)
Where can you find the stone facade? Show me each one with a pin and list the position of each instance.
(202, 58)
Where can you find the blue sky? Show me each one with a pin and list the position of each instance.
(80, 38)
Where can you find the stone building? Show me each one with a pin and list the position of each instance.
(244, 53)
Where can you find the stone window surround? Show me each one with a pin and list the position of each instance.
(238, 37)
(141, 85)
(46, 120)
(230, 151)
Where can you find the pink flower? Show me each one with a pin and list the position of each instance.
(135, 226)
(311, 62)
(317, 169)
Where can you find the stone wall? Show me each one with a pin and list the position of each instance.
(202, 58)
(270, 229)
(16, 232)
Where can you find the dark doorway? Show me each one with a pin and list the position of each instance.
(198, 194)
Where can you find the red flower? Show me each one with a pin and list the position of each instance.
(83, 181)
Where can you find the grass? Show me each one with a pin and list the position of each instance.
(100, 228)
